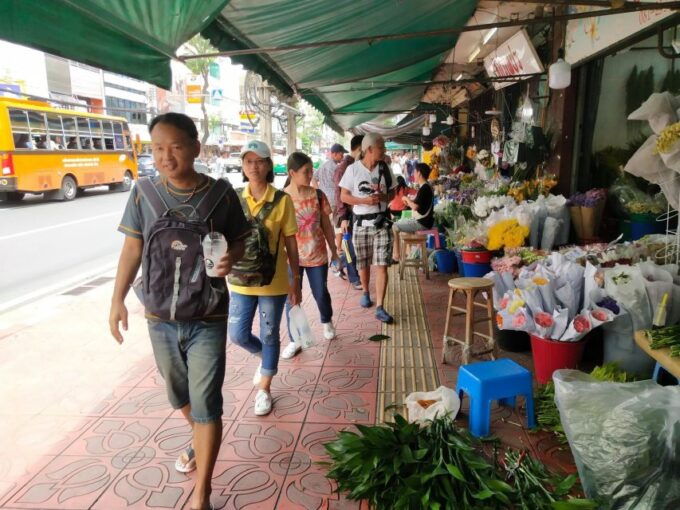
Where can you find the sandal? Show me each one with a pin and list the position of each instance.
(188, 465)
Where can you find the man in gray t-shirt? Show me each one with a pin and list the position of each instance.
(323, 176)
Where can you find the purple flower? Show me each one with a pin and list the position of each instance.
(610, 304)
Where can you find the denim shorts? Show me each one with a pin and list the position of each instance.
(191, 358)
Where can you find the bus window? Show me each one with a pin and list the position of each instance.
(36, 121)
(118, 136)
(96, 130)
(108, 135)
(84, 133)
(70, 133)
(20, 133)
(56, 132)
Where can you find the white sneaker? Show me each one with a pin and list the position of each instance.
(258, 376)
(263, 403)
(328, 331)
(290, 351)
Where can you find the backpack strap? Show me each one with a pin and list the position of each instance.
(212, 199)
(153, 197)
(268, 207)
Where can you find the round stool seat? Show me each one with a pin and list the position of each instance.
(470, 283)
(413, 237)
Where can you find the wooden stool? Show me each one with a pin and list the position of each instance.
(470, 287)
(407, 241)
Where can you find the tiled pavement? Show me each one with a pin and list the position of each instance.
(89, 425)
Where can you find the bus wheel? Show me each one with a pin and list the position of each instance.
(69, 189)
(15, 196)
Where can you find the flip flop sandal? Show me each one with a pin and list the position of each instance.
(190, 464)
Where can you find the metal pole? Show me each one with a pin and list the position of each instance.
(630, 7)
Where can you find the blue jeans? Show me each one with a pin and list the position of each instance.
(191, 358)
(352, 272)
(241, 313)
(318, 281)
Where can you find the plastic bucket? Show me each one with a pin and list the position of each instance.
(459, 263)
(550, 355)
(446, 261)
(643, 224)
(476, 270)
(431, 244)
(476, 257)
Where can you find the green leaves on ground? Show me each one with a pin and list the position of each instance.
(400, 466)
(378, 338)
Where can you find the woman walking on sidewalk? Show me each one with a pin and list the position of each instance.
(260, 280)
(312, 211)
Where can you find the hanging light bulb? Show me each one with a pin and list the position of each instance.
(426, 130)
(559, 73)
(449, 120)
(527, 112)
(433, 118)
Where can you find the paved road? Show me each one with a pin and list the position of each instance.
(45, 246)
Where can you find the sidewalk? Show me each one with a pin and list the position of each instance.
(87, 425)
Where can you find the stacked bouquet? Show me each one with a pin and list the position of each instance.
(586, 212)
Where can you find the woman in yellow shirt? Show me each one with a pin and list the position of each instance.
(258, 172)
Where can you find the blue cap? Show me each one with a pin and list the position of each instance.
(338, 148)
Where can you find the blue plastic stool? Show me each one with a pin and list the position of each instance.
(659, 370)
(501, 380)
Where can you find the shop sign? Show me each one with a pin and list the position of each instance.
(514, 57)
(590, 36)
(248, 122)
(193, 93)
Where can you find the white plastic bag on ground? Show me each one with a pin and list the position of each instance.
(428, 405)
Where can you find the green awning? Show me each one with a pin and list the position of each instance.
(348, 83)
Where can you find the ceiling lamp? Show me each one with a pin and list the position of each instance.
(489, 35)
(493, 112)
(474, 54)
(426, 130)
(559, 73)
(433, 118)
(459, 77)
(449, 120)
(527, 112)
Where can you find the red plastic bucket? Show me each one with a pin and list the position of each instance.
(550, 355)
(476, 256)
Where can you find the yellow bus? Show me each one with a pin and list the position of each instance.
(60, 152)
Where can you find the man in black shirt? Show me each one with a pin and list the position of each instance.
(422, 207)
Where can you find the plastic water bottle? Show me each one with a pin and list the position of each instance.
(299, 328)
(214, 248)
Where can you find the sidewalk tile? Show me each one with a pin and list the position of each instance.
(259, 442)
(343, 407)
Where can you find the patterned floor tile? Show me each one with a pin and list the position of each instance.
(311, 490)
(239, 377)
(292, 378)
(343, 407)
(175, 435)
(350, 378)
(110, 437)
(259, 442)
(313, 356)
(152, 380)
(340, 356)
(287, 407)
(18, 471)
(69, 483)
(142, 403)
(314, 435)
(237, 355)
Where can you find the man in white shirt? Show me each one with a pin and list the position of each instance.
(368, 186)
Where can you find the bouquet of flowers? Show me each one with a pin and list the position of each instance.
(507, 234)
(586, 211)
(484, 206)
(441, 141)
(532, 189)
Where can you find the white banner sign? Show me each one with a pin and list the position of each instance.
(589, 36)
(513, 57)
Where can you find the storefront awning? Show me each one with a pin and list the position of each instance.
(348, 83)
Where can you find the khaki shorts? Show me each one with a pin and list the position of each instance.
(373, 246)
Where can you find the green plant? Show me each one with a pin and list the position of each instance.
(403, 466)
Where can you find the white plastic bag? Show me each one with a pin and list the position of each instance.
(445, 399)
(299, 328)
(627, 286)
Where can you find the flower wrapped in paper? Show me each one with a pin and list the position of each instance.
(531, 295)
(544, 324)
(577, 329)
(599, 316)
(561, 320)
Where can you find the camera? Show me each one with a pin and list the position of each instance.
(382, 221)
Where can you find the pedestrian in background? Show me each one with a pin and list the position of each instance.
(260, 280)
(189, 347)
(315, 232)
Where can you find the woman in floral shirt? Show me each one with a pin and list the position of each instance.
(315, 232)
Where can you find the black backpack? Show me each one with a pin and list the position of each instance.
(174, 285)
(258, 265)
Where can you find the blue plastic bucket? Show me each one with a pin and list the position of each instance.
(430, 241)
(476, 270)
(642, 225)
(459, 263)
(446, 261)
